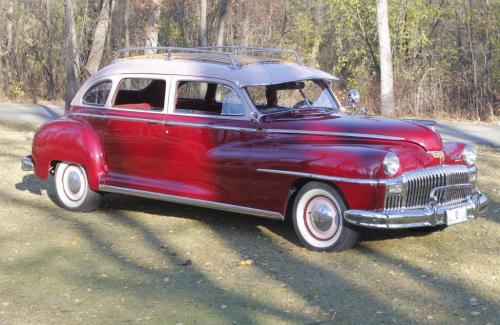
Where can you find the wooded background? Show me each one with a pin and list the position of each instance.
(444, 52)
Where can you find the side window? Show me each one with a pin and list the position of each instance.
(141, 93)
(197, 97)
(98, 94)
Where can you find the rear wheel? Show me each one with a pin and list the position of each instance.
(318, 219)
(72, 188)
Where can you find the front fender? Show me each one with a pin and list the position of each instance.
(71, 141)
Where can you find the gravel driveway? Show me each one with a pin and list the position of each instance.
(137, 260)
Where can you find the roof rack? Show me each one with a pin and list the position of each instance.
(234, 56)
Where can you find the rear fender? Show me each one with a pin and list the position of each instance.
(72, 141)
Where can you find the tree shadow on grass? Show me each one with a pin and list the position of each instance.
(333, 294)
(192, 285)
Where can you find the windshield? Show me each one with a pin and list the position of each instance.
(292, 95)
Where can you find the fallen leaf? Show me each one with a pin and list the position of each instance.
(246, 262)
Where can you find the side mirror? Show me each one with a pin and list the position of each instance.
(353, 96)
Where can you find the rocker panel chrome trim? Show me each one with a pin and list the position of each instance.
(342, 134)
(191, 201)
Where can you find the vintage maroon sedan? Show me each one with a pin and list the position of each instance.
(240, 130)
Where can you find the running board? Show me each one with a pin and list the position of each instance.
(190, 201)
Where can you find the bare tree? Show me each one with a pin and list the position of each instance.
(10, 13)
(72, 61)
(99, 39)
(203, 23)
(386, 79)
(222, 19)
(153, 23)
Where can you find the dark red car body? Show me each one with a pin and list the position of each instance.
(255, 164)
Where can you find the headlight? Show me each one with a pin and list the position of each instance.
(469, 154)
(391, 164)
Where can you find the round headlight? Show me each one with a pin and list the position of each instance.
(391, 164)
(469, 154)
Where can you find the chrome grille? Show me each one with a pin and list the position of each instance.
(417, 186)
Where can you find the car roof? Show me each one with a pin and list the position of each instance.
(254, 72)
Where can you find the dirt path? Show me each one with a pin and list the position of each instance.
(137, 260)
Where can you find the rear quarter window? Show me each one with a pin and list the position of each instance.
(98, 94)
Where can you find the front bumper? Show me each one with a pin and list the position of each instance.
(27, 163)
(428, 216)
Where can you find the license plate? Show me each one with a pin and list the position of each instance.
(456, 215)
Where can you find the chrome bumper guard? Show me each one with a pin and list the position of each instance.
(429, 216)
(27, 163)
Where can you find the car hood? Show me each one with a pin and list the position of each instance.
(355, 127)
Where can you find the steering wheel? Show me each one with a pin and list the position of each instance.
(303, 103)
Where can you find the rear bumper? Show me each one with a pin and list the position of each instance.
(27, 163)
(429, 216)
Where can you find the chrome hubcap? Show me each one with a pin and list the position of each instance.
(322, 217)
(74, 182)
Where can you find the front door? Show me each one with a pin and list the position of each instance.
(208, 133)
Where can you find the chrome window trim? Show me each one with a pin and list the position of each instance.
(119, 79)
(191, 201)
(95, 84)
(343, 134)
(173, 98)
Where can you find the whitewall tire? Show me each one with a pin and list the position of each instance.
(318, 218)
(72, 188)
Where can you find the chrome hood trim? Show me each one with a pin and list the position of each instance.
(340, 134)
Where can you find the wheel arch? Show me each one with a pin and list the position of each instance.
(72, 141)
(301, 182)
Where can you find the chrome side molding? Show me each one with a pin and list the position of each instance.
(375, 181)
(122, 118)
(191, 201)
(321, 177)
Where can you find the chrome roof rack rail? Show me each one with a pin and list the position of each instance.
(247, 50)
(230, 55)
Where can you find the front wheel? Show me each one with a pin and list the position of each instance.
(318, 219)
(72, 188)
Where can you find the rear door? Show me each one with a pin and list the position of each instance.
(130, 124)
(133, 138)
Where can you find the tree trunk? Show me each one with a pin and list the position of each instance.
(10, 12)
(153, 24)
(246, 25)
(72, 62)
(318, 18)
(386, 80)
(50, 66)
(203, 23)
(99, 39)
(126, 16)
(222, 19)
